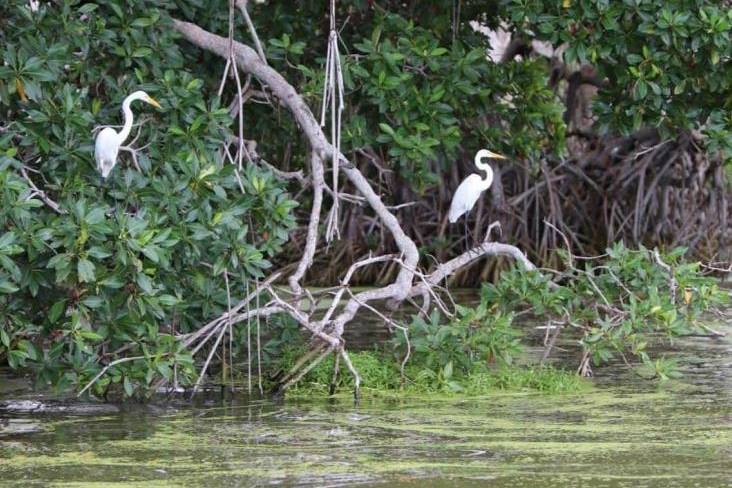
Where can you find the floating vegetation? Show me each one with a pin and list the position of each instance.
(381, 376)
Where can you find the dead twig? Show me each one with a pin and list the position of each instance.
(40, 193)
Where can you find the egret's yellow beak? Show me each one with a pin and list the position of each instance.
(493, 155)
(153, 102)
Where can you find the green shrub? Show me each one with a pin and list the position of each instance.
(618, 304)
(446, 351)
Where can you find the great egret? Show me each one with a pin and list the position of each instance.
(109, 140)
(471, 187)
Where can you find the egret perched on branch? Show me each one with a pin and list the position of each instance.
(471, 187)
(109, 140)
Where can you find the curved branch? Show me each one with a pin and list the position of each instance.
(486, 249)
(316, 165)
(446, 269)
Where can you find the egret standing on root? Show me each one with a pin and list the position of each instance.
(109, 140)
(470, 189)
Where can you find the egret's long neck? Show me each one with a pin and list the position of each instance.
(484, 166)
(125, 132)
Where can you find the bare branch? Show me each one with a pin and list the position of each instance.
(486, 249)
(104, 370)
(41, 194)
(347, 278)
(249, 62)
(316, 165)
(189, 339)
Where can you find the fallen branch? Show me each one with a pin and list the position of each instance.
(104, 370)
(486, 249)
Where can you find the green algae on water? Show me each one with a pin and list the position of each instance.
(382, 377)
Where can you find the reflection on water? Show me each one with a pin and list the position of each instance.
(625, 432)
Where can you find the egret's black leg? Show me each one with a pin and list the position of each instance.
(103, 188)
(104, 183)
(467, 243)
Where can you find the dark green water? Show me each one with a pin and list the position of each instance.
(624, 432)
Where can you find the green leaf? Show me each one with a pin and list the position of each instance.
(11, 267)
(165, 370)
(95, 216)
(113, 282)
(641, 90)
(141, 52)
(168, 300)
(151, 253)
(88, 8)
(129, 388)
(93, 302)
(7, 287)
(6, 240)
(56, 311)
(386, 128)
(98, 252)
(117, 10)
(145, 283)
(143, 22)
(91, 335)
(85, 270)
(447, 370)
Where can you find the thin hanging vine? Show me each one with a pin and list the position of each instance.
(333, 94)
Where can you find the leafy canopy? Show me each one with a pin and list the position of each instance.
(667, 62)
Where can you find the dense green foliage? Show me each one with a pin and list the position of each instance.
(129, 263)
(616, 307)
(427, 97)
(471, 355)
(414, 98)
(445, 352)
(121, 268)
(668, 63)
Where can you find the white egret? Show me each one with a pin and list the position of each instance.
(109, 140)
(471, 187)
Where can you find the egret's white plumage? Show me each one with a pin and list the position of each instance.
(108, 142)
(471, 187)
(106, 148)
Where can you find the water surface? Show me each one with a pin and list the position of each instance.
(623, 432)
